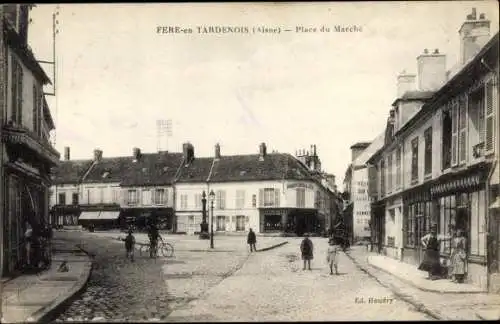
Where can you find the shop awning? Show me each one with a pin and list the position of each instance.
(109, 215)
(89, 215)
(495, 204)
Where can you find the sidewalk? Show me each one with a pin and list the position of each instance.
(443, 301)
(30, 298)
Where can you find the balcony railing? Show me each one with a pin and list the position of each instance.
(478, 150)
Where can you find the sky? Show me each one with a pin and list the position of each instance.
(116, 76)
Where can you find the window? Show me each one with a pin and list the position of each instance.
(17, 91)
(361, 191)
(184, 199)
(221, 223)
(101, 195)
(462, 136)
(447, 140)
(269, 197)
(490, 118)
(382, 178)
(240, 223)
(132, 197)
(272, 223)
(418, 220)
(116, 195)
(454, 133)
(220, 197)
(301, 197)
(37, 103)
(389, 172)
(414, 160)
(254, 200)
(62, 198)
(159, 198)
(398, 168)
(428, 151)
(197, 201)
(74, 198)
(240, 199)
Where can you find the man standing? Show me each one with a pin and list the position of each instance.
(154, 235)
(251, 240)
(306, 248)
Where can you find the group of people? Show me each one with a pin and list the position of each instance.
(456, 268)
(153, 235)
(336, 245)
(37, 244)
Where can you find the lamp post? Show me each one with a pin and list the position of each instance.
(204, 226)
(211, 197)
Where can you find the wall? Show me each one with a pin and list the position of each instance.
(362, 203)
(67, 190)
(111, 193)
(393, 228)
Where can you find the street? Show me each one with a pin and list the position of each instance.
(225, 286)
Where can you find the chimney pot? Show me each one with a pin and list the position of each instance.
(262, 150)
(436, 51)
(217, 151)
(482, 16)
(426, 51)
(97, 155)
(136, 153)
(66, 153)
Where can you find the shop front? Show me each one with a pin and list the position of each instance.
(419, 215)
(461, 202)
(99, 217)
(65, 216)
(140, 218)
(297, 221)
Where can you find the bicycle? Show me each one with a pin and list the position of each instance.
(165, 249)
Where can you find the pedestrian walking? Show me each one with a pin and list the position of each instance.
(432, 243)
(306, 248)
(130, 245)
(332, 254)
(252, 240)
(458, 257)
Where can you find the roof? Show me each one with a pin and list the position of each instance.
(360, 145)
(249, 168)
(71, 172)
(153, 169)
(109, 170)
(17, 44)
(414, 95)
(196, 171)
(375, 145)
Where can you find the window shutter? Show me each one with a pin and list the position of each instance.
(13, 85)
(261, 197)
(463, 130)
(276, 197)
(490, 124)
(19, 94)
(454, 135)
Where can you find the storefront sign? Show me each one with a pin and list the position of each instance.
(300, 185)
(456, 185)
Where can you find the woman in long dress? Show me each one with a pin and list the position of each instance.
(432, 243)
(458, 257)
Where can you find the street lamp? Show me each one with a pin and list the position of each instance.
(211, 198)
(204, 226)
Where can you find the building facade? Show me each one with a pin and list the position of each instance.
(26, 153)
(439, 157)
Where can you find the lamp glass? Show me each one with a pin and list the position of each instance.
(211, 195)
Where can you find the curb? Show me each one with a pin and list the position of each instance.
(272, 247)
(409, 282)
(45, 314)
(418, 306)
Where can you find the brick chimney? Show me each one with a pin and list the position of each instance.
(262, 151)
(188, 151)
(136, 153)
(66, 153)
(474, 34)
(217, 151)
(97, 155)
(406, 82)
(431, 70)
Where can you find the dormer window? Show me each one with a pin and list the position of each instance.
(242, 173)
(165, 169)
(105, 174)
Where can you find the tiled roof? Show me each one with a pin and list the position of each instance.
(153, 169)
(70, 172)
(114, 169)
(249, 168)
(196, 171)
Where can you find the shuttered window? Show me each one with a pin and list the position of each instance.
(414, 160)
(17, 91)
(301, 197)
(220, 199)
(389, 173)
(398, 168)
(454, 134)
(428, 151)
(490, 118)
(462, 139)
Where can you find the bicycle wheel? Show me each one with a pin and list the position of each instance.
(167, 250)
(143, 249)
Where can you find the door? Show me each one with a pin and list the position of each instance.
(221, 223)
(240, 223)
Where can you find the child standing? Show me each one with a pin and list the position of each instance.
(130, 245)
(331, 256)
